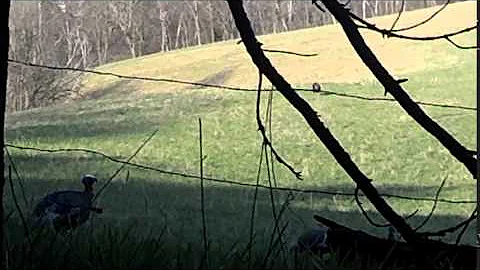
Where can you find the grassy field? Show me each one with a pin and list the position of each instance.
(385, 142)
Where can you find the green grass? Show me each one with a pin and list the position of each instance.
(386, 143)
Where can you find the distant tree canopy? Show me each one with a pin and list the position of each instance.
(84, 34)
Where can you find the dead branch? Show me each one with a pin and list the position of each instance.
(398, 15)
(266, 141)
(342, 157)
(393, 87)
(348, 243)
(424, 21)
(389, 33)
(424, 222)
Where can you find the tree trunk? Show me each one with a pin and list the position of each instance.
(290, 14)
(179, 29)
(364, 9)
(196, 17)
(211, 20)
(307, 14)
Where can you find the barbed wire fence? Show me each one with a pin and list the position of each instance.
(290, 191)
(228, 88)
(230, 181)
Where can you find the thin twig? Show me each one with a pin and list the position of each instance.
(261, 128)
(424, 21)
(434, 205)
(272, 244)
(254, 205)
(460, 46)
(451, 229)
(202, 199)
(268, 119)
(389, 33)
(124, 164)
(292, 53)
(365, 214)
(271, 165)
(398, 16)
(270, 133)
(19, 209)
(279, 240)
(465, 226)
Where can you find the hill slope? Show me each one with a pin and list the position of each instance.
(228, 63)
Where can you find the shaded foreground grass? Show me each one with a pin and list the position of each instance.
(168, 234)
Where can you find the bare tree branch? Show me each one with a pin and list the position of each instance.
(343, 158)
(424, 21)
(292, 53)
(454, 228)
(433, 207)
(389, 33)
(393, 87)
(398, 16)
(261, 128)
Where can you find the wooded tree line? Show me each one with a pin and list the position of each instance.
(84, 34)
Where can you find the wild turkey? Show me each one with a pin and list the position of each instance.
(66, 209)
(316, 87)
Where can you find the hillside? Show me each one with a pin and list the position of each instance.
(228, 63)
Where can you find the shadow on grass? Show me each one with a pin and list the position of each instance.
(161, 217)
(107, 118)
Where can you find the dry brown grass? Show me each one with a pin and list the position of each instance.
(336, 62)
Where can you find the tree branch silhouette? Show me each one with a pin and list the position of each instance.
(454, 228)
(393, 87)
(342, 157)
(389, 33)
(266, 141)
(430, 214)
(424, 21)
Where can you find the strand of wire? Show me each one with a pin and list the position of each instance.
(225, 87)
(232, 182)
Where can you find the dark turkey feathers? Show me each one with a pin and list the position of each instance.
(67, 209)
